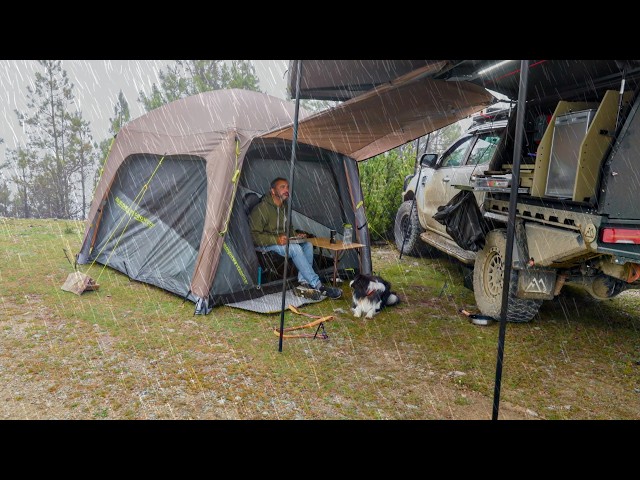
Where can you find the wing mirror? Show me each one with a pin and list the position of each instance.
(428, 160)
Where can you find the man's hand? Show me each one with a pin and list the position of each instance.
(282, 240)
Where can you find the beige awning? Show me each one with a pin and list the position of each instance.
(389, 115)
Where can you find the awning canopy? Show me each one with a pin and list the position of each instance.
(344, 79)
(389, 115)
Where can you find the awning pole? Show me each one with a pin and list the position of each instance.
(513, 200)
(290, 203)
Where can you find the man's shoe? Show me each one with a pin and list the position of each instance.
(307, 292)
(331, 292)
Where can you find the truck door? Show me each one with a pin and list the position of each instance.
(438, 190)
(459, 166)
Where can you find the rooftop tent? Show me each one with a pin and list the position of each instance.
(168, 208)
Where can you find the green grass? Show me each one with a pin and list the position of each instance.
(133, 351)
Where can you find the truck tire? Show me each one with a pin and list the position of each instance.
(488, 274)
(407, 224)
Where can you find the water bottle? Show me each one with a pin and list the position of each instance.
(347, 234)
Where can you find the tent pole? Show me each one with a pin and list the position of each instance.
(513, 200)
(290, 203)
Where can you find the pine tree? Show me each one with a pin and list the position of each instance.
(5, 193)
(82, 153)
(121, 116)
(5, 198)
(49, 171)
(190, 77)
(22, 160)
(239, 74)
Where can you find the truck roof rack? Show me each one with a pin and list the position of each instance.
(490, 114)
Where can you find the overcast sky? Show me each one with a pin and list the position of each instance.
(96, 87)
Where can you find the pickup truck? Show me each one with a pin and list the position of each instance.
(577, 211)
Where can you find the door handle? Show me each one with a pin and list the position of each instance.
(423, 182)
(446, 179)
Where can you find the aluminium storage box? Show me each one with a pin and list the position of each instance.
(568, 133)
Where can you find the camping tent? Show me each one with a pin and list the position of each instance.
(168, 208)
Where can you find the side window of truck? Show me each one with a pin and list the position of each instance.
(484, 149)
(455, 156)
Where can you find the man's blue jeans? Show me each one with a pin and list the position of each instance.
(302, 256)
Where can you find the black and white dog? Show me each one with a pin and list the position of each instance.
(370, 294)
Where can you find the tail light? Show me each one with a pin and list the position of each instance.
(620, 235)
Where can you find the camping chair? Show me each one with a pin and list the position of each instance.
(271, 263)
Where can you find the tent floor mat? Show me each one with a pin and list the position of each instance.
(272, 302)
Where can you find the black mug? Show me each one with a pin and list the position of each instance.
(332, 236)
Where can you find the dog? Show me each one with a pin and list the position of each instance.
(370, 293)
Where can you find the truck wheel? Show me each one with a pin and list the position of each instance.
(488, 274)
(407, 225)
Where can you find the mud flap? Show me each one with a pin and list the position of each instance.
(536, 284)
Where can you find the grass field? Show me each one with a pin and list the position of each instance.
(132, 351)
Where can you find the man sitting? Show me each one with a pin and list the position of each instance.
(268, 229)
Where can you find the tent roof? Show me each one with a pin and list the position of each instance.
(218, 126)
(389, 115)
(216, 111)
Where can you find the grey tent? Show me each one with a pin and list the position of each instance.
(168, 209)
